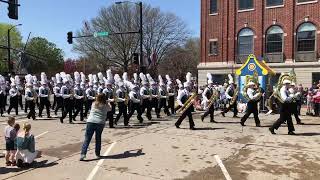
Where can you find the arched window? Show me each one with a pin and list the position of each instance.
(245, 42)
(306, 37)
(274, 40)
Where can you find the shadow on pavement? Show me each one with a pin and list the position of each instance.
(308, 134)
(34, 165)
(126, 154)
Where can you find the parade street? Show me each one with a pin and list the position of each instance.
(158, 150)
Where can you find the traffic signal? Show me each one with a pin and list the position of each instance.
(70, 36)
(135, 58)
(13, 9)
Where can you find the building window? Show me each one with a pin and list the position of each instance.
(274, 40)
(245, 42)
(213, 47)
(245, 4)
(302, 1)
(274, 2)
(213, 6)
(306, 37)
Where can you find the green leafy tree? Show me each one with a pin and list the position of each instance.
(16, 42)
(46, 57)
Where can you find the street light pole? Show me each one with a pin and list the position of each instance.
(9, 48)
(142, 68)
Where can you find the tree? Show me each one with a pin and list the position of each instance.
(16, 42)
(181, 59)
(161, 32)
(46, 57)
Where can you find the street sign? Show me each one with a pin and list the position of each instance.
(100, 34)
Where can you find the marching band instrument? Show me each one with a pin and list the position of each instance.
(187, 104)
(213, 98)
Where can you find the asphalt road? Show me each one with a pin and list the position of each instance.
(157, 150)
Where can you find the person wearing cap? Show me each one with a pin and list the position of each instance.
(206, 96)
(252, 105)
(90, 95)
(13, 94)
(108, 91)
(294, 104)
(146, 96)
(135, 103)
(285, 113)
(163, 96)
(182, 98)
(30, 100)
(44, 99)
(122, 106)
(79, 101)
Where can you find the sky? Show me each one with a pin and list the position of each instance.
(52, 19)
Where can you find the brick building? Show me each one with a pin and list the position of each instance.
(285, 33)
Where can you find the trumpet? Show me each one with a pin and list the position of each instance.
(187, 104)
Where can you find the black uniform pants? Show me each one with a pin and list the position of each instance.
(20, 101)
(110, 118)
(146, 104)
(135, 107)
(54, 102)
(252, 107)
(171, 104)
(294, 111)
(155, 105)
(32, 111)
(59, 104)
(235, 110)
(44, 102)
(122, 107)
(88, 106)
(2, 103)
(210, 111)
(163, 104)
(78, 109)
(67, 106)
(188, 113)
(13, 104)
(285, 115)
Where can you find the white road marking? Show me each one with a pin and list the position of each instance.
(224, 170)
(96, 168)
(41, 134)
(16, 122)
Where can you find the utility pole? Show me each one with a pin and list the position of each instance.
(142, 67)
(9, 47)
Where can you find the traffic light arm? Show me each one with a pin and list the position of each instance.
(9, 2)
(91, 35)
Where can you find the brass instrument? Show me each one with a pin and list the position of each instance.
(254, 78)
(187, 104)
(235, 96)
(276, 93)
(213, 98)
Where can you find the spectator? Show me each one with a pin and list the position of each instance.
(25, 143)
(10, 134)
(316, 98)
(95, 124)
(309, 103)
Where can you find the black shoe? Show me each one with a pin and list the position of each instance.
(235, 116)
(28, 117)
(61, 120)
(49, 117)
(291, 133)
(192, 128)
(272, 130)
(301, 123)
(213, 121)
(258, 125)
(223, 114)
(20, 163)
(202, 118)
(177, 126)
(70, 122)
(115, 122)
(111, 127)
(242, 124)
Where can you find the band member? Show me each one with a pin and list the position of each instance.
(36, 89)
(154, 97)
(79, 95)
(146, 96)
(232, 96)
(182, 98)
(294, 104)
(30, 97)
(181, 88)
(57, 94)
(163, 96)
(252, 105)
(285, 113)
(13, 94)
(90, 94)
(44, 96)
(170, 91)
(122, 104)
(67, 98)
(54, 96)
(135, 102)
(101, 87)
(20, 91)
(2, 95)
(207, 98)
(110, 99)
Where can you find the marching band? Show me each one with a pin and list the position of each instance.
(74, 97)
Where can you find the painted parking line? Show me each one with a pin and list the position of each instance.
(41, 134)
(224, 170)
(96, 168)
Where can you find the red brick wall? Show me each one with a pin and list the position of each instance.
(228, 22)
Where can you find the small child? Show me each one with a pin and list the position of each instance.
(10, 134)
(309, 103)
